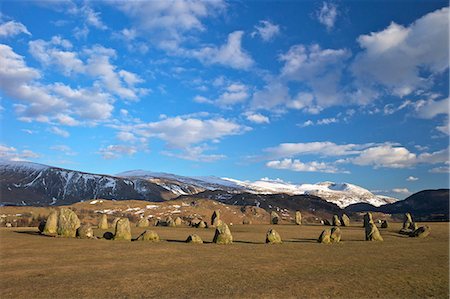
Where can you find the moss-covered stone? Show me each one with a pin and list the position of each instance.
(103, 222)
(51, 225)
(335, 236)
(223, 235)
(336, 221)
(194, 238)
(372, 233)
(85, 231)
(325, 237)
(149, 235)
(298, 218)
(421, 232)
(273, 237)
(274, 218)
(68, 223)
(143, 222)
(123, 230)
(345, 220)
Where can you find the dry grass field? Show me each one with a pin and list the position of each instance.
(35, 266)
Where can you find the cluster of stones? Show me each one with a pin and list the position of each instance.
(169, 221)
(411, 228)
(343, 220)
(330, 236)
(65, 223)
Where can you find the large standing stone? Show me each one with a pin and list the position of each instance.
(223, 235)
(149, 235)
(274, 218)
(85, 232)
(103, 222)
(273, 237)
(143, 222)
(123, 230)
(336, 221)
(345, 221)
(325, 237)
(178, 221)
(335, 236)
(68, 223)
(421, 232)
(51, 225)
(194, 238)
(368, 219)
(372, 233)
(407, 222)
(298, 218)
(215, 218)
(113, 224)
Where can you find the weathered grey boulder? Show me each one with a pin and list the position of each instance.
(223, 235)
(8, 224)
(325, 237)
(68, 223)
(85, 232)
(372, 233)
(202, 224)
(143, 222)
(421, 232)
(336, 221)
(335, 236)
(51, 225)
(274, 218)
(194, 238)
(194, 222)
(326, 222)
(345, 221)
(103, 222)
(215, 218)
(407, 222)
(298, 218)
(123, 230)
(178, 221)
(148, 235)
(384, 224)
(273, 237)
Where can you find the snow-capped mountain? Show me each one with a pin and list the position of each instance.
(36, 184)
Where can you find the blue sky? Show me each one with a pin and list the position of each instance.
(304, 91)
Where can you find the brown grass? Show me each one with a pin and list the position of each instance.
(34, 266)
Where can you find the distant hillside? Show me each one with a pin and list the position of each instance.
(426, 204)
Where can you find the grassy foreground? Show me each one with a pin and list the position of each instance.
(34, 266)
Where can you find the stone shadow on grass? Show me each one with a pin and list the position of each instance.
(33, 233)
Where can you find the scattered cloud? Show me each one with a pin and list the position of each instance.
(266, 30)
(65, 149)
(12, 154)
(117, 151)
(257, 118)
(401, 190)
(297, 165)
(412, 178)
(327, 15)
(13, 28)
(59, 132)
(194, 153)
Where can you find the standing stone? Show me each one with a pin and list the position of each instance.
(298, 218)
(194, 238)
(407, 222)
(223, 235)
(384, 224)
(326, 222)
(170, 222)
(149, 235)
(246, 221)
(41, 226)
(123, 230)
(325, 237)
(336, 221)
(51, 225)
(143, 222)
(85, 232)
(103, 222)
(68, 223)
(194, 222)
(274, 218)
(335, 236)
(178, 221)
(368, 219)
(345, 221)
(113, 224)
(421, 232)
(215, 218)
(273, 237)
(372, 233)
(202, 224)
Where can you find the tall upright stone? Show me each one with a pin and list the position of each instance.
(215, 218)
(103, 222)
(178, 221)
(335, 236)
(336, 221)
(123, 230)
(345, 221)
(408, 222)
(223, 235)
(298, 218)
(51, 225)
(274, 218)
(325, 237)
(372, 233)
(68, 223)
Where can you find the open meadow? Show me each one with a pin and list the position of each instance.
(36, 266)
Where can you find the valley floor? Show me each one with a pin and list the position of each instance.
(34, 266)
